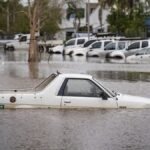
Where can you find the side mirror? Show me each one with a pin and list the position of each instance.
(104, 96)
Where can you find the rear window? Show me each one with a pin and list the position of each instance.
(43, 84)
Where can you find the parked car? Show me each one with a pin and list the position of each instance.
(70, 91)
(136, 46)
(71, 44)
(82, 51)
(130, 49)
(56, 49)
(114, 46)
(97, 47)
(140, 56)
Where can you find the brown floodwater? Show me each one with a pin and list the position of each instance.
(59, 129)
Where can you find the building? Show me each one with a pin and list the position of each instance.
(87, 8)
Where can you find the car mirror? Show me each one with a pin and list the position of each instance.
(104, 96)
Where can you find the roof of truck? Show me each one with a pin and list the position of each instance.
(75, 75)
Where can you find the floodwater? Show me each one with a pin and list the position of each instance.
(59, 129)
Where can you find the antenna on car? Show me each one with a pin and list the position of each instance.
(58, 72)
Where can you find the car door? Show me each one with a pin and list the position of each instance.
(133, 48)
(23, 43)
(146, 57)
(84, 93)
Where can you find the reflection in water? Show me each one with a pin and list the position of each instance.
(73, 129)
(119, 75)
(33, 70)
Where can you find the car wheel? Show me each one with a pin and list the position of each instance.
(71, 53)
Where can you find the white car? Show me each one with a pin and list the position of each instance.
(97, 47)
(82, 51)
(70, 91)
(140, 56)
(56, 49)
(117, 54)
(130, 49)
(114, 46)
(137, 46)
(74, 43)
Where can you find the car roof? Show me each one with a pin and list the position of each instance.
(75, 75)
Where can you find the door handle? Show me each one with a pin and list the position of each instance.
(67, 102)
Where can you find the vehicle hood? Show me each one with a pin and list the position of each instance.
(117, 53)
(129, 101)
(81, 49)
(58, 47)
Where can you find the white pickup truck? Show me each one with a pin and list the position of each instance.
(4, 41)
(24, 40)
(69, 91)
(21, 43)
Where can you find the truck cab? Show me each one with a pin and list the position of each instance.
(21, 43)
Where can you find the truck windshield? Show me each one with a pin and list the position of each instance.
(43, 84)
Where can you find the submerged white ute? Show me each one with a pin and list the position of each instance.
(69, 91)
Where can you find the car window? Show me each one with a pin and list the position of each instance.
(121, 45)
(23, 39)
(144, 44)
(111, 46)
(82, 88)
(69, 43)
(88, 43)
(97, 45)
(134, 46)
(107, 42)
(80, 41)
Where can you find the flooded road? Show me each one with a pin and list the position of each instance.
(52, 129)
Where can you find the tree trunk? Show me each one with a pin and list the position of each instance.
(33, 49)
(8, 19)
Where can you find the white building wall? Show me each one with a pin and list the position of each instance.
(67, 25)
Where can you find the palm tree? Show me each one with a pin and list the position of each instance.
(103, 4)
(73, 9)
